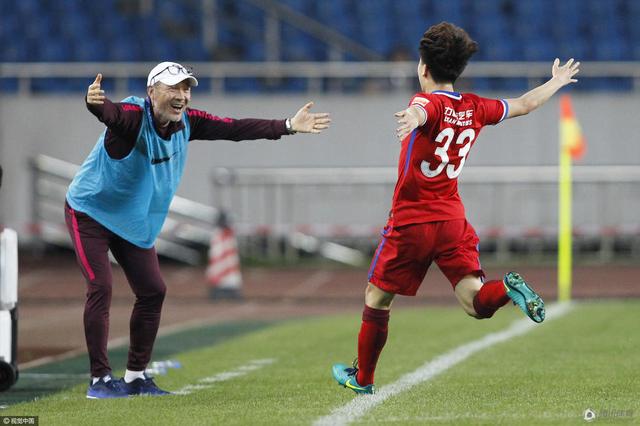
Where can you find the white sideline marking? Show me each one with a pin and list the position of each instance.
(54, 376)
(360, 405)
(208, 382)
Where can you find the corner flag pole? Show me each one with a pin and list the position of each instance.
(572, 146)
(565, 259)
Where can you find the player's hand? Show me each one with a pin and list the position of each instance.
(307, 122)
(408, 121)
(95, 96)
(564, 73)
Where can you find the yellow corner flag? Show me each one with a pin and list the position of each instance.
(572, 146)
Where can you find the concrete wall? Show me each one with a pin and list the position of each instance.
(362, 134)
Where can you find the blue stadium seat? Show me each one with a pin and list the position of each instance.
(578, 49)
(138, 86)
(531, 19)
(192, 50)
(15, 51)
(374, 25)
(541, 49)
(27, 7)
(612, 49)
(409, 25)
(123, 49)
(242, 85)
(75, 26)
(254, 52)
(54, 50)
(89, 30)
(299, 46)
(302, 6)
(8, 85)
(90, 49)
(501, 49)
(454, 11)
(337, 15)
(635, 52)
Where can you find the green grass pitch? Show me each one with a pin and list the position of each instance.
(587, 359)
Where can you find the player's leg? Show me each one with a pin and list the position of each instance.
(483, 300)
(371, 340)
(459, 260)
(142, 269)
(398, 267)
(480, 300)
(90, 243)
(373, 331)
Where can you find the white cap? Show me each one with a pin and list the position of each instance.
(170, 73)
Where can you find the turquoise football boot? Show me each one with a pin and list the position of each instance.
(346, 376)
(523, 296)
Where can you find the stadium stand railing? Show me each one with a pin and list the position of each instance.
(185, 235)
(315, 77)
(514, 209)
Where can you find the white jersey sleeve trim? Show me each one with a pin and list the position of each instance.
(423, 110)
(505, 110)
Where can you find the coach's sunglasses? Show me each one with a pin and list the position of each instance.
(173, 70)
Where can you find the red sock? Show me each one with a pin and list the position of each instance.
(371, 340)
(491, 297)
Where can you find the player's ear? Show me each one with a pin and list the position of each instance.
(423, 69)
(149, 91)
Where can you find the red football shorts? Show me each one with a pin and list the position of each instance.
(405, 254)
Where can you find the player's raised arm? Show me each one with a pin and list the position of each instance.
(561, 76)
(308, 122)
(409, 119)
(95, 95)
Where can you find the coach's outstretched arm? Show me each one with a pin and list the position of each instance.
(561, 76)
(308, 122)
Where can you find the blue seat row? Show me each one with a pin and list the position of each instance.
(122, 30)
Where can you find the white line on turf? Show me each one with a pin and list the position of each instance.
(208, 382)
(54, 376)
(360, 405)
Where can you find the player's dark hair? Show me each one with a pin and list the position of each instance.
(446, 49)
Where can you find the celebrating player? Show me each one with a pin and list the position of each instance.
(427, 221)
(120, 197)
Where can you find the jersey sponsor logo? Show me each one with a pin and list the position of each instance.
(155, 161)
(458, 118)
(420, 101)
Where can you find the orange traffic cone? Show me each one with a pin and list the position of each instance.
(223, 273)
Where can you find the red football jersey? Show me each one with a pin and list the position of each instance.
(432, 156)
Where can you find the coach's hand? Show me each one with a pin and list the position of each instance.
(307, 122)
(95, 95)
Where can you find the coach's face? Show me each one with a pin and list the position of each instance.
(169, 102)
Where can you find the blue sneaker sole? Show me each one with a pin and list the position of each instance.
(524, 297)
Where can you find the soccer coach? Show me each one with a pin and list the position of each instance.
(120, 197)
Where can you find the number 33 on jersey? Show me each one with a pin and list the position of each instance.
(434, 154)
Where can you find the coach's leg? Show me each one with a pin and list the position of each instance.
(481, 300)
(373, 332)
(90, 243)
(143, 273)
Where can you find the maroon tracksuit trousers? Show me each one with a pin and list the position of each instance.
(91, 242)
